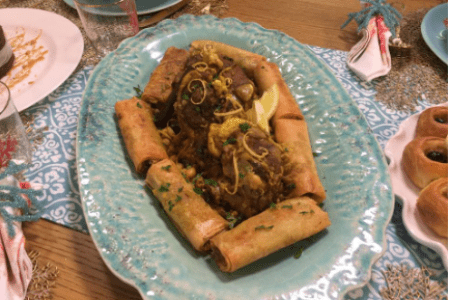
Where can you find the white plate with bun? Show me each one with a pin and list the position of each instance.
(407, 192)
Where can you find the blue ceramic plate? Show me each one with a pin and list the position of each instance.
(435, 32)
(138, 242)
(142, 6)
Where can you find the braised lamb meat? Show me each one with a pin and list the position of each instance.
(244, 165)
(252, 167)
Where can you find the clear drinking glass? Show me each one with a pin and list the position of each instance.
(14, 143)
(107, 22)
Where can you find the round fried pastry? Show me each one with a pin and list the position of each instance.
(425, 159)
(433, 206)
(433, 122)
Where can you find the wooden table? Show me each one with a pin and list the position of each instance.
(82, 273)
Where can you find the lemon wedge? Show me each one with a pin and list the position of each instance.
(257, 115)
(264, 108)
(269, 100)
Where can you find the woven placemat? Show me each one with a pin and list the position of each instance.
(416, 73)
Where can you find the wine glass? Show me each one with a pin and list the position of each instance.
(14, 143)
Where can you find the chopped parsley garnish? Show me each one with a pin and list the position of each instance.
(286, 149)
(197, 109)
(262, 227)
(138, 91)
(138, 104)
(171, 205)
(244, 127)
(185, 96)
(229, 141)
(185, 176)
(218, 107)
(164, 188)
(211, 182)
(167, 168)
(291, 186)
(272, 205)
(287, 206)
(180, 189)
(306, 212)
(232, 220)
(298, 253)
(315, 154)
(241, 175)
(198, 191)
(196, 178)
(178, 198)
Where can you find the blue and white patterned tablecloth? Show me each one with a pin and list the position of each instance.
(54, 164)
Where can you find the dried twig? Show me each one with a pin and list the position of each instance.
(404, 283)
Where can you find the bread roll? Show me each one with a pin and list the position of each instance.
(433, 206)
(433, 122)
(425, 159)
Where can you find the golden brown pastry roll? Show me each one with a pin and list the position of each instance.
(160, 87)
(189, 212)
(245, 59)
(266, 75)
(275, 228)
(301, 172)
(139, 133)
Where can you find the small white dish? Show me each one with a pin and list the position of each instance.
(59, 36)
(408, 193)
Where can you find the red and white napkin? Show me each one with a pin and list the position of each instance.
(15, 266)
(370, 57)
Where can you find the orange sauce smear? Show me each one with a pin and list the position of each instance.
(27, 53)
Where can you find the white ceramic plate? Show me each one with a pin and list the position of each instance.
(59, 36)
(408, 193)
(144, 6)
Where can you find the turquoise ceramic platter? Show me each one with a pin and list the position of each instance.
(435, 32)
(138, 242)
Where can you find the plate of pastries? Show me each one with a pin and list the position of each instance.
(418, 155)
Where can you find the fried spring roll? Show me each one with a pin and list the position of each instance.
(268, 74)
(290, 221)
(159, 89)
(246, 59)
(189, 212)
(291, 130)
(301, 173)
(140, 135)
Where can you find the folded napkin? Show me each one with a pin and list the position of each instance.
(370, 57)
(15, 265)
(16, 268)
